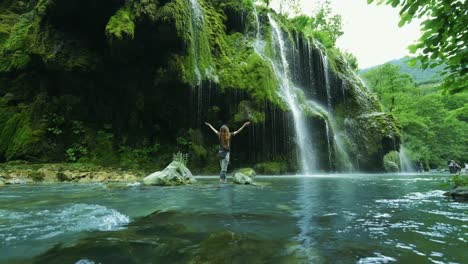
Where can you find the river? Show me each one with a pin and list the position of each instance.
(357, 218)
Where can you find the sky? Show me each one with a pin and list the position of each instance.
(371, 32)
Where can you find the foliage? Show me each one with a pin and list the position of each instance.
(459, 180)
(351, 60)
(444, 36)
(323, 25)
(139, 157)
(434, 125)
(419, 74)
(392, 162)
(181, 158)
(388, 83)
(75, 152)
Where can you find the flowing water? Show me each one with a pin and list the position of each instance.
(290, 219)
(405, 163)
(308, 160)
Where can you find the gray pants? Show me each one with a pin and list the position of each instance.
(224, 165)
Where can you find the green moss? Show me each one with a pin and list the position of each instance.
(19, 34)
(103, 150)
(392, 162)
(7, 20)
(17, 137)
(37, 176)
(247, 112)
(42, 6)
(121, 25)
(178, 14)
(271, 168)
(13, 55)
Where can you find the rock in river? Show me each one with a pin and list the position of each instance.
(174, 174)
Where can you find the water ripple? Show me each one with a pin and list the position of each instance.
(43, 224)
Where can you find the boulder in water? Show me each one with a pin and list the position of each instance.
(249, 172)
(240, 178)
(174, 174)
(391, 166)
(459, 193)
(18, 181)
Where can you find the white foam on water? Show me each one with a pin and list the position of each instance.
(412, 199)
(454, 216)
(379, 258)
(44, 224)
(85, 261)
(385, 215)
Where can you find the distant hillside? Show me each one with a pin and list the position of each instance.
(419, 75)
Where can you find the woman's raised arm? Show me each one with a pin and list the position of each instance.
(242, 127)
(212, 128)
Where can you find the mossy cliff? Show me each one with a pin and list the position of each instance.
(129, 83)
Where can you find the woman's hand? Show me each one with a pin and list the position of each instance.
(208, 124)
(247, 123)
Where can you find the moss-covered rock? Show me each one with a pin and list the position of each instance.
(152, 70)
(248, 172)
(271, 168)
(121, 25)
(240, 178)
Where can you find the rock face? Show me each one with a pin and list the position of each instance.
(459, 193)
(240, 178)
(124, 65)
(174, 174)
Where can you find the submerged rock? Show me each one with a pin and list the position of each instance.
(18, 181)
(240, 178)
(174, 174)
(459, 193)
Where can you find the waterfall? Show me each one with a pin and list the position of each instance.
(195, 28)
(201, 58)
(405, 163)
(327, 79)
(330, 161)
(341, 155)
(288, 93)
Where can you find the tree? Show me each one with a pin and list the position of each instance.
(444, 38)
(389, 83)
(289, 8)
(433, 124)
(323, 25)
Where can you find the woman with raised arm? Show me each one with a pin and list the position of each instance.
(224, 146)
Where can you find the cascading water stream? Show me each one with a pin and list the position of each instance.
(281, 68)
(201, 57)
(327, 79)
(197, 22)
(342, 157)
(330, 161)
(405, 163)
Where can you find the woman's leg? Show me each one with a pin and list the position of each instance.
(224, 165)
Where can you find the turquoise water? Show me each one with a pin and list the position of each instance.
(290, 219)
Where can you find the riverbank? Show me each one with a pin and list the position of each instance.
(23, 172)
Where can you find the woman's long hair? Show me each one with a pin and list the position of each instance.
(224, 136)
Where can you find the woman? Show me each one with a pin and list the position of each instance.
(224, 147)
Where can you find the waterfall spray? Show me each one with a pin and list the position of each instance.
(288, 93)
